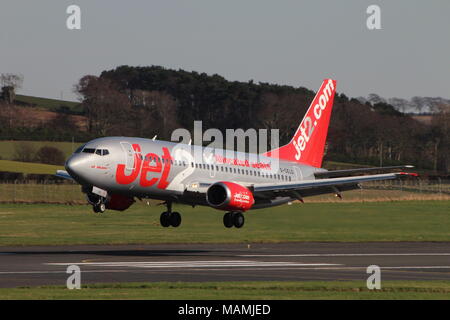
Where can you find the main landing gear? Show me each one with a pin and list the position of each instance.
(169, 218)
(231, 219)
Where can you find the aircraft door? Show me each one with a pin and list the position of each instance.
(129, 157)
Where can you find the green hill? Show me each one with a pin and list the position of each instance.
(50, 104)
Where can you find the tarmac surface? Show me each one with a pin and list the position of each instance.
(39, 265)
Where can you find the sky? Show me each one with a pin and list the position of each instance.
(296, 43)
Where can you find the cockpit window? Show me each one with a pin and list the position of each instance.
(102, 152)
(79, 149)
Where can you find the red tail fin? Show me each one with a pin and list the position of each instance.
(307, 145)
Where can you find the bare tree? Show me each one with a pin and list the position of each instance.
(50, 155)
(441, 123)
(107, 108)
(24, 151)
(10, 83)
(11, 80)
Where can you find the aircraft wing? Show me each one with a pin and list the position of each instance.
(306, 188)
(63, 174)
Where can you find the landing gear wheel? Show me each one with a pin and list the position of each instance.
(228, 220)
(102, 207)
(99, 207)
(165, 219)
(238, 220)
(175, 219)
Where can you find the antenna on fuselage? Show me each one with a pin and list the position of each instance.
(190, 142)
(154, 137)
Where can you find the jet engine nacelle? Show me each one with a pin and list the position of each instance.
(229, 196)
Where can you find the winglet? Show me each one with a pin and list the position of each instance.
(411, 174)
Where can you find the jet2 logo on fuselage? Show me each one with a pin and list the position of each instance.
(151, 163)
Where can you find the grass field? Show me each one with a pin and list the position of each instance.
(8, 148)
(43, 224)
(239, 291)
(28, 167)
(70, 193)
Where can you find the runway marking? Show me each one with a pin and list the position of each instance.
(44, 272)
(417, 267)
(343, 254)
(382, 268)
(310, 267)
(196, 264)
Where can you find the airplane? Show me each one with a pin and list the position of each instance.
(113, 171)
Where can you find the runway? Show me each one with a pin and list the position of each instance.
(33, 266)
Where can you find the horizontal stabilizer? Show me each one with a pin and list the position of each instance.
(349, 172)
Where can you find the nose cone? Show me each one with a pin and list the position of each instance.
(74, 166)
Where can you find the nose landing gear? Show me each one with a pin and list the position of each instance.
(99, 207)
(235, 219)
(98, 202)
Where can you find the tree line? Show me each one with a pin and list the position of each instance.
(149, 101)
